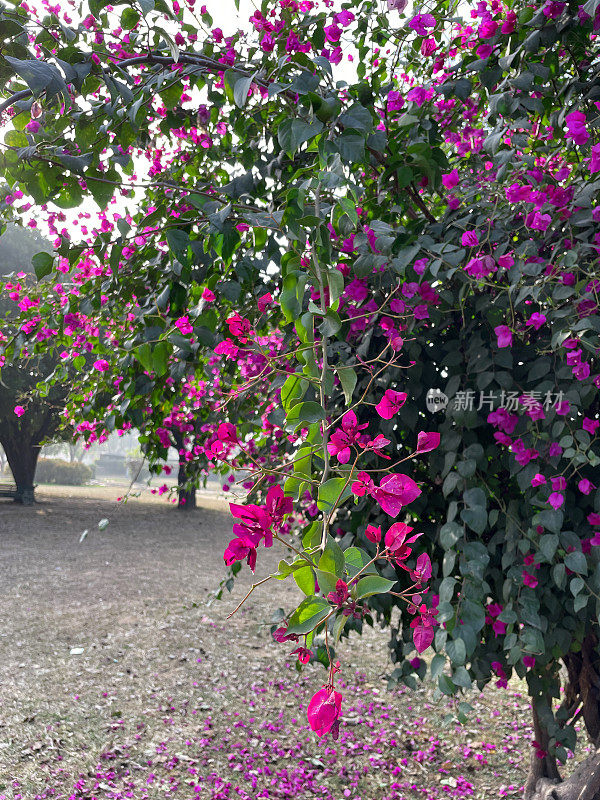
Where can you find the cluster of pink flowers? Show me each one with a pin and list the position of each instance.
(257, 524)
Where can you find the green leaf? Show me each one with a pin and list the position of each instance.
(548, 544)
(348, 378)
(357, 117)
(284, 569)
(437, 665)
(475, 498)
(338, 627)
(143, 353)
(457, 651)
(450, 533)
(40, 77)
(304, 414)
(129, 18)
(351, 147)
(305, 580)
(293, 133)
(335, 281)
(332, 559)
(178, 242)
(446, 685)
(240, 90)
(373, 584)
(42, 265)
(576, 562)
(308, 615)
(293, 390)
(327, 581)
(330, 491)
(475, 518)
(160, 357)
(331, 323)
(355, 559)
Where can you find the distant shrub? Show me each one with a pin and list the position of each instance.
(64, 473)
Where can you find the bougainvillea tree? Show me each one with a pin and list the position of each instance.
(351, 250)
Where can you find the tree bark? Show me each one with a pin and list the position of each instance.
(186, 497)
(22, 459)
(582, 697)
(583, 784)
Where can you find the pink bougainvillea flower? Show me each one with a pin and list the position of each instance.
(423, 627)
(594, 518)
(422, 635)
(576, 129)
(536, 320)
(451, 179)
(362, 485)
(373, 533)
(427, 441)
(422, 572)
(590, 425)
(585, 486)
(240, 549)
(395, 101)
(394, 492)
(529, 661)
(19, 411)
(277, 505)
(183, 323)
(504, 335)
(33, 126)
(469, 239)
(556, 500)
(343, 438)
(208, 295)
(397, 5)
(227, 348)
(265, 301)
(562, 409)
(281, 635)
(324, 711)
(421, 23)
(538, 480)
(594, 165)
(396, 541)
(303, 654)
(239, 327)
(255, 523)
(537, 221)
(341, 593)
(377, 444)
(528, 579)
(390, 403)
(101, 365)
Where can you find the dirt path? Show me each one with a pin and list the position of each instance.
(117, 680)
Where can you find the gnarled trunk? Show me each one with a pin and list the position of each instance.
(582, 699)
(583, 784)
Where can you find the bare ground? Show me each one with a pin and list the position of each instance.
(117, 679)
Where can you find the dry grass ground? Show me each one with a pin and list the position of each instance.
(117, 680)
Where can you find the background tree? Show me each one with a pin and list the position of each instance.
(22, 436)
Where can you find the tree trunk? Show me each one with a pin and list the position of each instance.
(582, 697)
(186, 496)
(583, 784)
(22, 460)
